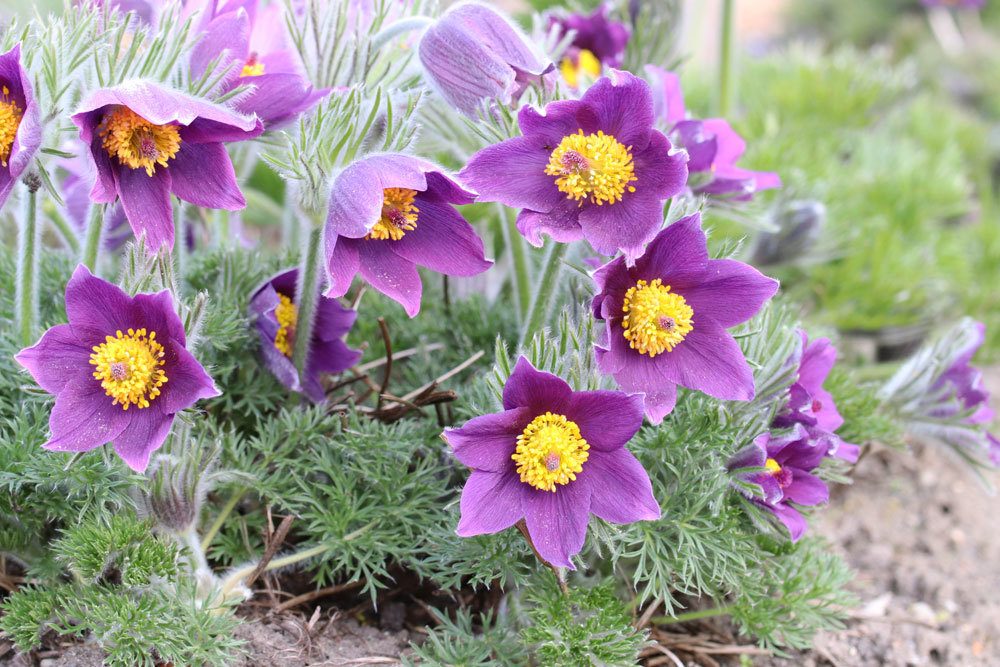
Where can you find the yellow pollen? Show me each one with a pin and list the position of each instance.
(252, 67)
(399, 215)
(10, 119)
(138, 143)
(656, 319)
(550, 451)
(130, 367)
(772, 466)
(592, 167)
(586, 64)
(287, 315)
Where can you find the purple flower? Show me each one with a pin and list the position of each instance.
(668, 98)
(20, 127)
(120, 370)
(473, 55)
(667, 318)
(591, 168)
(960, 388)
(275, 314)
(148, 11)
(787, 480)
(147, 142)
(598, 42)
(256, 40)
(76, 182)
(965, 4)
(553, 457)
(390, 213)
(714, 148)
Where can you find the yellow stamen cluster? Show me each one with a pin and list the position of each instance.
(772, 466)
(130, 367)
(399, 215)
(550, 451)
(10, 120)
(287, 315)
(656, 319)
(252, 67)
(138, 143)
(586, 66)
(592, 167)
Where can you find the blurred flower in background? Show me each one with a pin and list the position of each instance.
(598, 43)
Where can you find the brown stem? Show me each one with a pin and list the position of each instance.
(273, 544)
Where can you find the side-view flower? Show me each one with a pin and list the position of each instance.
(20, 126)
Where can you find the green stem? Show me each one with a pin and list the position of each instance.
(227, 509)
(27, 270)
(726, 58)
(546, 290)
(92, 239)
(692, 615)
(519, 261)
(307, 295)
(66, 232)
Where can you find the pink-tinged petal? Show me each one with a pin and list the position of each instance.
(627, 225)
(624, 106)
(229, 33)
(187, 380)
(678, 255)
(56, 359)
(491, 502)
(846, 451)
(607, 419)
(358, 192)
(562, 224)
(443, 241)
(343, 263)
(145, 433)
(531, 388)
(146, 201)
(730, 293)
(806, 489)
(710, 361)
(818, 359)
(825, 411)
(83, 417)
(95, 308)
(668, 99)
(730, 145)
(203, 174)
(557, 521)
(512, 172)
(487, 442)
(791, 518)
(620, 488)
(390, 274)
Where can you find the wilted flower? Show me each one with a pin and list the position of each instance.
(591, 168)
(147, 142)
(474, 55)
(553, 457)
(667, 318)
(598, 42)
(120, 370)
(256, 39)
(786, 480)
(20, 127)
(390, 213)
(275, 314)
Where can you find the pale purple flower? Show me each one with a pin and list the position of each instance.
(119, 370)
(553, 457)
(20, 125)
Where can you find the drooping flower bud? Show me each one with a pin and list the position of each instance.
(799, 226)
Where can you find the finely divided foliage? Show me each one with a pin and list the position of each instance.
(321, 360)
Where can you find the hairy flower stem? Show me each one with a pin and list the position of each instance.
(307, 294)
(386, 34)
(92, 239)
(698, 614)
(66, 232)
(27, 269)
(546, 290)
(519, 261)
(726, 79)
(224, 513)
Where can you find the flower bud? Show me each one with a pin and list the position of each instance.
(799, 226)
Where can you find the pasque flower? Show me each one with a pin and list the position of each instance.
(119, 369)
(598, 42)
(253, 41)
(390, 213)
(591, 168)
(275, 314)
(553, 457)
(147, 141)
(787, 478)
(666, 319)
(473, 56)
(77, 177)
(20, 126)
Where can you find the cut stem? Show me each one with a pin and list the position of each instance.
(307, 296)
(726, 79)
(92, 238)
(545, 291)
(27, 270)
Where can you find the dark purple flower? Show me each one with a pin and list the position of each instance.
(119, 370)
(275, 314)
(473, 55)
(389, 214)
(960, 388)
(20, 127)
(666, 319)
(786, 480)
(714, 148)
(553, 457)
(147, 142)
(256, 40)
(591, 168)
(598, 42)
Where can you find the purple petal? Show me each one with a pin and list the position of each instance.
(607, 419)
(491, 502)
(710, 361)
(358, 192)
(513, 172)
(229, 32)
(561, 119)
(730, 293)
(806, 489)
(818, 359)
(668, 100)
(443, 241)
(487, 442)
(279, 98)
(531, 388)
(557, 521)
(56, 359)
(187, 380)
(390, 274)
(620, 487)
(203, 174)
(626, 225)
(95, 308)
(562, 224)
(624, 106)
(155, 312)
(145, 433)
(343, 263)
(791, 518)
(678, 255)
(146, 202)
(84, 418)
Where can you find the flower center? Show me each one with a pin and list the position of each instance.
(10, 119)
(550, 451)
(399, 215)
(130, 367)
(138, 143)
(595, 167)
(783, 476)
(656, 319)
(287, 315)
(585, 65)
(252, 67)
(817, 405)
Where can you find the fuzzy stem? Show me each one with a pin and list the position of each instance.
(27, 269)
(698, 614)
(726, 57)
(307, 296)
(519, 262)
(545, 292)
(392, 30)
(92, 239)
(227, 509)
(66, 232)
